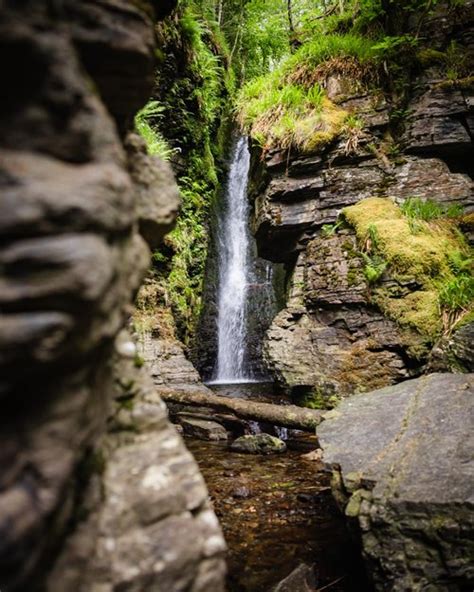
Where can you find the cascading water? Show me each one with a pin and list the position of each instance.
(234, 271)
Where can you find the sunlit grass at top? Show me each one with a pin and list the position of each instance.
(289, 108)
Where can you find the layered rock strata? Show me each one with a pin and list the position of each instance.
(72, 259)
(330, 337)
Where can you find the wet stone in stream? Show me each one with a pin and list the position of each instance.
(277, 512)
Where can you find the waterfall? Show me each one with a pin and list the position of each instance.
(234, 271)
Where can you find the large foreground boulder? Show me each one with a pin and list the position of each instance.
(403, 459)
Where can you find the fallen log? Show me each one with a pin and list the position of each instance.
(288, 416)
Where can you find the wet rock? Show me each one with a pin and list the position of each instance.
(302, 579)
(203, 429)
(258, 444)
(403, 459)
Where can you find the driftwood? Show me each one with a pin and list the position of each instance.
(288, 416)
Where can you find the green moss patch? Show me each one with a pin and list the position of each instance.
(432, 256)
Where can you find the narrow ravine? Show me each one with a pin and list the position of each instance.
(276, 511)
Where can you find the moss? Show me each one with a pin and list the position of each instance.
(138, 361)
(315, 398)
(419, 310)
(466, 83)
(424, 257)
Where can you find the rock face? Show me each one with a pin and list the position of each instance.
(148, 524)
(166, 361)
(71, 261)
(403, 460)
(330, 337)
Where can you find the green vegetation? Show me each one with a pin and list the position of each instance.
(374, 267)
(155, 141)
(328, 230)
(364, 41)
(193, 86)
(288, 115)
(289, 108)
(453, 61)
(317, 397)
(435, 259)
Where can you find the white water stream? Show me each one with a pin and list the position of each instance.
(234, 271)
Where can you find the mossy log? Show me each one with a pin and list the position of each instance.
(289, 416)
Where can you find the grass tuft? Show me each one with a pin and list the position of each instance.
(288, 108)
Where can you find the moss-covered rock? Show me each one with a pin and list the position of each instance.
(419, 253)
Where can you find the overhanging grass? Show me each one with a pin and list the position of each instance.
(289, 108)
(325, 47)
(288, 115)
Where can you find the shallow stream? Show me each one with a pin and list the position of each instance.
(277, 512)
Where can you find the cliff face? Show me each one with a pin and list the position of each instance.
(72, 259)
(333, 336)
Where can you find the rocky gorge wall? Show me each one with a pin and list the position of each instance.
(332, 338)
(97, 491)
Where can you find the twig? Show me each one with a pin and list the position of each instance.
(330, 584)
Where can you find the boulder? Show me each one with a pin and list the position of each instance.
(203, 429)
(258, 444)
(403, 472)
